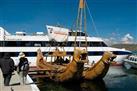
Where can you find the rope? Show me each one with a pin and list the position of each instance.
(85, 28)
(77, 27)
(94, 26)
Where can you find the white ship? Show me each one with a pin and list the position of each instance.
(21, 42)
(65, 38)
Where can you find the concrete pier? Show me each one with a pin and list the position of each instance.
(15, 84)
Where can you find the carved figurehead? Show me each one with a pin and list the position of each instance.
(99, 69)
(41, 63)
(74, 69)
(108, 57)
(40, 58)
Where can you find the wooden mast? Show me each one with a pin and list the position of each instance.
(81, 22)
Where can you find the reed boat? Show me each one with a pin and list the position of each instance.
(61, 73)
(75, 69)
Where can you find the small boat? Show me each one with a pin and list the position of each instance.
(131, 62)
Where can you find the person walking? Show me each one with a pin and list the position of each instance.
(23, 68)
(7, 67)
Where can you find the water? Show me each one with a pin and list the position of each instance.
(117, 79)
(121, 79)
(135, 52)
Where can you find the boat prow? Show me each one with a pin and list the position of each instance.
(100, 69)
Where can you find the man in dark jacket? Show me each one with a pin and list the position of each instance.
(7, 67)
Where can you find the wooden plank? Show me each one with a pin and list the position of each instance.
(40, 76)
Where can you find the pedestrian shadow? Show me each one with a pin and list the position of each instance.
(123, 75)
(14, 84)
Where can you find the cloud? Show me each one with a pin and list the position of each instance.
(117, 39)
(110, 41)
(127, 39)
(107, 41)
(112, 38)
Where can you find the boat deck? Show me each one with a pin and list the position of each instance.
(15, 84)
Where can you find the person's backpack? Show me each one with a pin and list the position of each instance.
(25, 66)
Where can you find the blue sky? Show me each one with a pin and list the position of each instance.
(113, 18)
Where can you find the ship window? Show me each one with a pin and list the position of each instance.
(130, 58)
(81, 34)
(78, 34)
(121, 53)
(43, 43)
(71, 33)
(73, 44)
(83, 44)
(28, 44)
(53, 43)
(97, 44)
(133, 59)
(1, 43)
(37, 44)
(47, 44)
(69, 44)
(13, 54)
(22, 43)
(95, 53)
(30, 54)
(10, 43)
(61, 44)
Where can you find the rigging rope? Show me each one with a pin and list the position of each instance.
(85, 28)
(94, 26)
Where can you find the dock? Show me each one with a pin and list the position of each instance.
(36, 72)
(15, 84)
